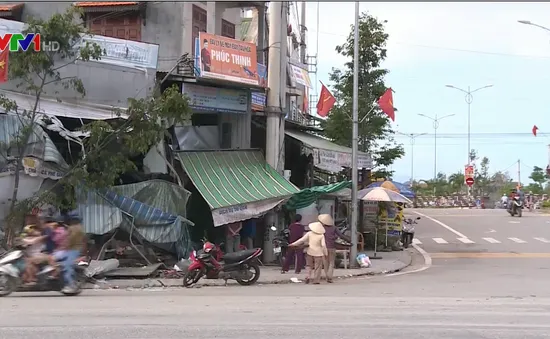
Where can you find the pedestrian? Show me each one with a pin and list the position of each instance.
(332, 233)
(233, 237)
(295, 255)
(316, 251)
(248, 233)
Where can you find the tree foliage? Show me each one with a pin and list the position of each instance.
(375, 133)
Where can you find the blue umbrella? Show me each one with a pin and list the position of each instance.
(403, 189)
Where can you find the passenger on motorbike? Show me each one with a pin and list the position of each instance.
(70, 249)
(36, 244)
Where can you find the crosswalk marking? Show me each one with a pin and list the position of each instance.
(464, 240)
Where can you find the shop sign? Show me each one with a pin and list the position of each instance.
(300, 75)
(222, 58)
(258, 101)
(214, 99)
(125, 53)
(333, 161)
(34, 168)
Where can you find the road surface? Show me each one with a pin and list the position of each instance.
(458, 297)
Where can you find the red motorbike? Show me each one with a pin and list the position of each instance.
(242, 266)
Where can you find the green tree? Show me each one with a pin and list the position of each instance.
(456, 181)
(539, 179)
(482, 177)
(375, 134)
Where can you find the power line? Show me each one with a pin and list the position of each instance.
(451, 49)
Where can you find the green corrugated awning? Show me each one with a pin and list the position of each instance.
(308, 196)
(237, 185)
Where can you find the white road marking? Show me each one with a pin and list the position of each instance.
(440, 240)
(416, 241)
(518, 240)
(491, 231)
(513, 222)
(466, 240)
(460, 235)
(542, 240)
(491, 240)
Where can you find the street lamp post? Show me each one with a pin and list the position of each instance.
(469, 99)
(413, 137)
(527, 22)
(435, 121)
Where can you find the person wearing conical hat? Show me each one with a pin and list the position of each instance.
(316, 250)
(332, 233)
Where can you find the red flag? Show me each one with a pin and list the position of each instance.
(326, 101)
(4, 56)
(386, 104)
(534, 130)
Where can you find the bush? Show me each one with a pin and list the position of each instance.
(546, 204)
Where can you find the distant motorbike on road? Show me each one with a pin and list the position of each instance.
(516, 207)
(407, 234)
(242, 266)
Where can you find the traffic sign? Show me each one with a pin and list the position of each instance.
(469, 181)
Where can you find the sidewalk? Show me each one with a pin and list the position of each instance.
(391, 262)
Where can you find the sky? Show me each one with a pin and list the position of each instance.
(431, 45)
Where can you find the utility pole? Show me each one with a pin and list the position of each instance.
(435, 121)
(354, 143)
(412, 137)
(274, 110)
(303, 30)
(519, 172)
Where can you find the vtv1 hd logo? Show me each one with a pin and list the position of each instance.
(22, 42)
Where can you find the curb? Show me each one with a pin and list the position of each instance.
(171, 283)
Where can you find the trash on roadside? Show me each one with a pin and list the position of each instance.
(363, 260)
(295, 280)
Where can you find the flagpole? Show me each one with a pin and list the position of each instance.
(354, 144)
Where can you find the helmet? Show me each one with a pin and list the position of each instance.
(208, 247)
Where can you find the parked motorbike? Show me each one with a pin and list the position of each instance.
(280, 245)
(516, 207)
(242, 266)
(12, 266)
(408, 231)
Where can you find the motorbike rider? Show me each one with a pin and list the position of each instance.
(504, 200)
(70, 250)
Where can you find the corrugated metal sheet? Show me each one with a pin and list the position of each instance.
(100, 215)
(40, 145)
(52, 107)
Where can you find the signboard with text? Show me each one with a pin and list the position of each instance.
(222, 58)
(214, 99)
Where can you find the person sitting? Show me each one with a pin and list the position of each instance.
(35, 256)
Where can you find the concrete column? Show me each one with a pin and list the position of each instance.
(214, 14)
(275, 101)
(261, 34)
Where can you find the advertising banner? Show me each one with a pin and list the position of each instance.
(300, 75)
(213, 99)
(228, 59)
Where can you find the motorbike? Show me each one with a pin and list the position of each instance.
(12, 266)
(242, 266)
(280, 245)
(407, 234)
(516, 207)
